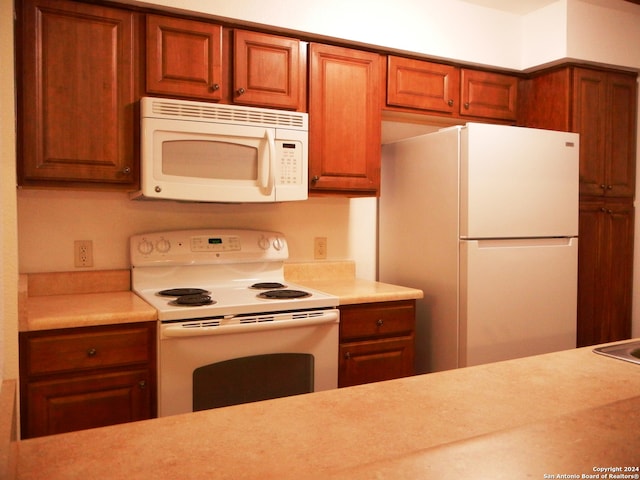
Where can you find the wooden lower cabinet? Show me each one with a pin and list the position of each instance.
(77, 378)
(376, 342)
(605, 270)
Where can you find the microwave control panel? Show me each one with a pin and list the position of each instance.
(289, 162)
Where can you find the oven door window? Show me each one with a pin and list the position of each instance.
(251, 379)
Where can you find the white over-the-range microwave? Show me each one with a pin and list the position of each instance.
(207, 152)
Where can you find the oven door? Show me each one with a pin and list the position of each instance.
(192, 356)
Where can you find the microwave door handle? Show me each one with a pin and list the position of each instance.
(266, 166)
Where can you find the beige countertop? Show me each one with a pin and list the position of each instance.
(77, 299)
(556, 414)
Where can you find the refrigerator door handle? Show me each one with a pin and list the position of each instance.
(527, 242)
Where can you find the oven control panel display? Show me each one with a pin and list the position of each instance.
(225, 243)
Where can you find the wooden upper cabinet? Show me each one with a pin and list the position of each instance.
(600, 105)
(422, 85)
(75, 94)
(446, 89)
(184, 58)
(345, 117)
(488, 95)
(604, 115)
(269, 70)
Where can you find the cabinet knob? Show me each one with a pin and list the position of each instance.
(380, 322)
(315, 179)
(240, 91)
(126, 170)
(450, 102)
(347, 355)
(609, 187)
(92, 352)
(214, 87)
(466, 105)
(603, 186)
(606, 210)
(142, 384)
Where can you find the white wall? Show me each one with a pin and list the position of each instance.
(50, 220)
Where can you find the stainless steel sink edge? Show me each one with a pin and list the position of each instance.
(628, 351)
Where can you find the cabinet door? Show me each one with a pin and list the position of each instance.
(605, 271)
(269, 71)
(621, 135)
(489, 95)
(184, 57)
(604, 115)
(375, 360)
(76, 94)
(422, 85)
(65, 405)
(589, 120)
(345, 117)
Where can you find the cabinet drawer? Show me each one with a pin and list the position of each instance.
(376, 320)
(86, 349)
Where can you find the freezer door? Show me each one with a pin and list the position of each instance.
(518, 182)
(518, 298)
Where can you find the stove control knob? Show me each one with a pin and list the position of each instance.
(163, 245)
(264, 243)
(145, 247)
(278, 243)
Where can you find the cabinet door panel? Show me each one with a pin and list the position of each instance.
(65, 405)
(589, 105)
(268, 70)
(76, 94)
(489, 95)
(184, 57)
(622, 135)
(375, 360)
(422, 85)
(605, 271)
(344, 120)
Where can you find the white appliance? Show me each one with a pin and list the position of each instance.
(231, 329)
(207, 152)
(484, 219)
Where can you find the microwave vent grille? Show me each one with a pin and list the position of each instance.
(234, 114)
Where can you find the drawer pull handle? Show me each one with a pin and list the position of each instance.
(92, 352)
(380, 322)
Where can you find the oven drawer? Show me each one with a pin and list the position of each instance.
(86, 348)
(376, 320)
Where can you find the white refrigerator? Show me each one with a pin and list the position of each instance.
(484, 219)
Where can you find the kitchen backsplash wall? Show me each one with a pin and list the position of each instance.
(49, 221)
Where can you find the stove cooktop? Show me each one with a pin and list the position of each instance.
(240, 300)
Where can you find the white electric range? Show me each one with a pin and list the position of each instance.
(221, 296)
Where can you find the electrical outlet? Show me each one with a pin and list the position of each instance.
(83, 253)
(320, 248)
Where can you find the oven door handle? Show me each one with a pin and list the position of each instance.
(171, 331)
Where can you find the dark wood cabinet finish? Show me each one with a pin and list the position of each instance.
(488, 94)
(422, 85)
(77, 378)
(184, 58)
(605, 271)
(345, 116)
(269, 71)
(445, 89)
(377, 342)
(76, 95)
